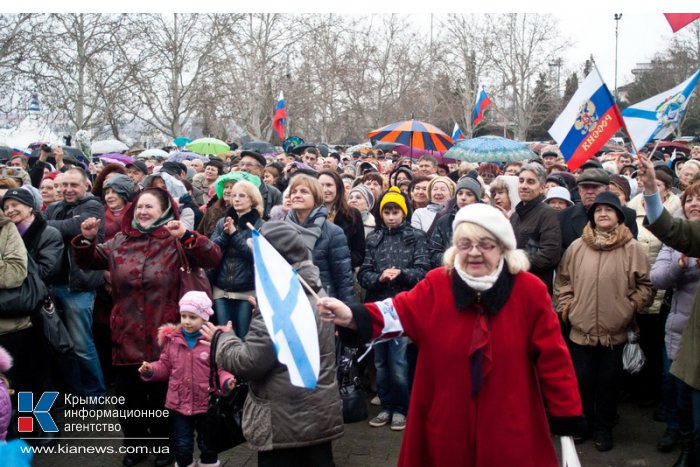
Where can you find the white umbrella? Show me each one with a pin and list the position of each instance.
(154, 152)
(108, 145)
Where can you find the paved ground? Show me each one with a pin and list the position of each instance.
(363, 446)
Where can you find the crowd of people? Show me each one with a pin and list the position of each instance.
(485, 286)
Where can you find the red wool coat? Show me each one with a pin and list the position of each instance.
(505, 423)
(145, 284)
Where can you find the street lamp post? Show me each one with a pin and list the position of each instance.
(556, 63)
(618, 17)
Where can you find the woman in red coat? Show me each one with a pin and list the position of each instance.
(144, 261)
(491, 353)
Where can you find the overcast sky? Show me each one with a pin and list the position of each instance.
(589, 24)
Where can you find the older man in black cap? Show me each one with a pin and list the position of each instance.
(254, 163)
(572, 220)
(136, 171)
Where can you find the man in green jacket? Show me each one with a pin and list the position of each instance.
(682, 235)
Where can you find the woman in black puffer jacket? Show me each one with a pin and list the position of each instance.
(234, 281)
(327, 242)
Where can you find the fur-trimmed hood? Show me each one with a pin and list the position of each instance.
(5, 360)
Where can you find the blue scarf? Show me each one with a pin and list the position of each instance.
(191, 338)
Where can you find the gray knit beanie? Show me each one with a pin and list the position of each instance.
(470, 184)
(366, 194)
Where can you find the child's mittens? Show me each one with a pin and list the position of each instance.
(146, 369)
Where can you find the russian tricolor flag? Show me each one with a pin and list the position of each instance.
(589, 120)
(280, 116)
(482, 101)
(457, 133)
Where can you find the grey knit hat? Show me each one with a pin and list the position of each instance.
(366, 194)
(287, 240)
(122, 186)
(470, 184)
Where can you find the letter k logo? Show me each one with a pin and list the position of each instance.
(25, 403)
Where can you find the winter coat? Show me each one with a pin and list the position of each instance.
(354, 234)
(145, 271)
(67, 219)
(441, 237)
(271, 197)
(13, 269)
(278, 415)
(682, 235)
(505, 424)
(423, 218)
(537, 232)
(601, 284)
(330, 254)
(404, 248)
(113, 222)
(236, 273)
(667, 274)
(45, 245)
(573, 219)
(186, 370)
(649, 242)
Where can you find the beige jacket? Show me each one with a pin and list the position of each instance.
(13, 269)
(601, 282)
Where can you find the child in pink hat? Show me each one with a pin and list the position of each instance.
(184, 362)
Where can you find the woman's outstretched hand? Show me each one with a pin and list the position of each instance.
(332, 310)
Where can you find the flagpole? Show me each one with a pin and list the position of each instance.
(301, 279)
(617, 110)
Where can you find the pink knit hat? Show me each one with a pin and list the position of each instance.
(198, 303)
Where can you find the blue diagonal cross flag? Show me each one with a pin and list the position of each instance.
(287, 313)
(660, 115)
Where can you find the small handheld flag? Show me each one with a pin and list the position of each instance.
(287, 313)
(482, 101)
(658, 116)
(589, 120)
(279, 117)
(457, 133)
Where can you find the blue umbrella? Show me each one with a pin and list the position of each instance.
(490, 148)
(181, 141)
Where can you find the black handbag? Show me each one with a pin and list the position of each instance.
(225, 412)
(55, 331)
(24, 300)
(351, 392)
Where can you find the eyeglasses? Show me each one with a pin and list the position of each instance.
(483, 246)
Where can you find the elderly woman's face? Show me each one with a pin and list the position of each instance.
(440, 193)
(687, 173)
(16, 211)
(148, 210)
(48, 191)
(357, 201)
(113, 201)
(478, 256)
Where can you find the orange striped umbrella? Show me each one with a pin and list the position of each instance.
(415, 134)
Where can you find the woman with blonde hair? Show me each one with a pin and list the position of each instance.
(491, 353)
(325, 240)
(234, 281)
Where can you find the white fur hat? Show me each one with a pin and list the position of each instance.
(489, 218)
